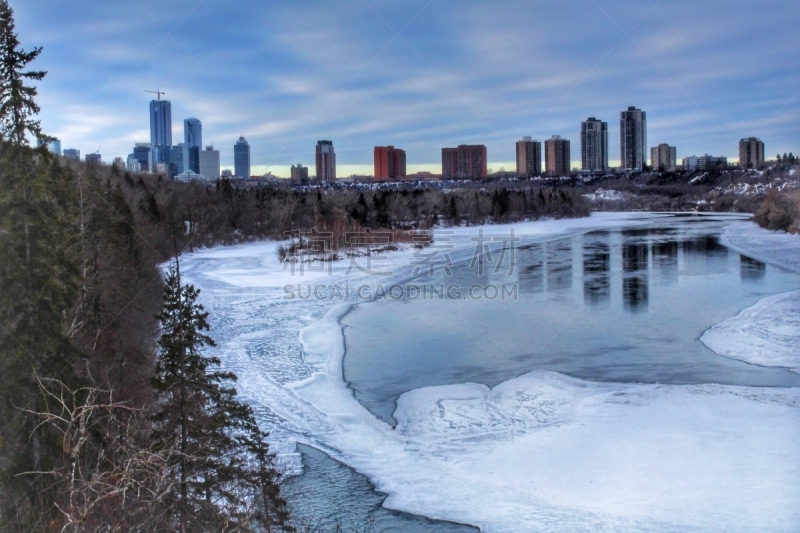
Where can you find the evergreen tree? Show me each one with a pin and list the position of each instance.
(223, 465)
(18, 105)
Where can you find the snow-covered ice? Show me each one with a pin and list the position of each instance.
(541, 452)
(767, 333)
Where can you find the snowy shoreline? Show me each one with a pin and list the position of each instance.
(556, 453)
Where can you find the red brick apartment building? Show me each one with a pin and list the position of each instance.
(464, 162)
(390, 163)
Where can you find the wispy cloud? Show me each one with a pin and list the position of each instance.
(707, 73)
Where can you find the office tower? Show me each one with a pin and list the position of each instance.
(529, 157)
(390, 162)
(176, 160)
(93, 159)
(751, 153)
(133, 165)
(633, 139)
(209, 163)
(72, 153)
(144, 153)
(241, 158)
(54, 146)
(192, 143)
(557, 156)
(326, 161)
(594, 145)
(161, 130)
(464, 162)
(299, 173)
(119, 163)
(663, 157)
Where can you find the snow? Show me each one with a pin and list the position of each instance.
(542, 452)
(768, 333)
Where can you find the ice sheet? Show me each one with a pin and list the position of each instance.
(542, 452)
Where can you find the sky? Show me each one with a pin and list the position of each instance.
(417, 74)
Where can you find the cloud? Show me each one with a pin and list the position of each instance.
(286, 74)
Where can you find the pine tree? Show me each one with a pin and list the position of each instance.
(224, 465)
(18, 105)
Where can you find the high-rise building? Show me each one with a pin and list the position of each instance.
(529, 157)
(133, 165)
(663, 157)
(160, 123)
(751, 153)
(176, 160)
(161, 130)
(241, 158)
(594, 145)
(144, 153)
(390, 162)
(326, 161)
(93, 159)
(209, 163)
(119, 163)
(464, 162)
(192, 143)
(53, 146)
(72, 153)
(633, 139)
(557, 156)
(691, 163)
(299, 173)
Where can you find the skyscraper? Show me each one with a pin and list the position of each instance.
(663, 157)
(93, 159)
(594, 145)
(557, 156)
(209, 163)
(176, 160)
(192, 142)
(464, 162)
(54, 146)
(633, 139)
(751, 153)
(529, 157)
(72, 153)
(390, 162)
(326, 161)
(161, 130)
(241, 158)
(144, 153)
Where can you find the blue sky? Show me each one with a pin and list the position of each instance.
(287, 73)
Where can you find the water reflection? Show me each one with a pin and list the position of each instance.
(750, 269)
(704, 255)
(635, 292)
(596, 271)
(559, 265)
(530, 271)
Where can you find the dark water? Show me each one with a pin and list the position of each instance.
(329, 495)
(627, 306)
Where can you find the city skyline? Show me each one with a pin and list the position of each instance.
(480, 78)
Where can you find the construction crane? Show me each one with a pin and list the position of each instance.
(159, 92)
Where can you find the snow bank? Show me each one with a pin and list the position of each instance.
(768, 333)
(542, 452)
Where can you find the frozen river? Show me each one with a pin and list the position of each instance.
(584, 400)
